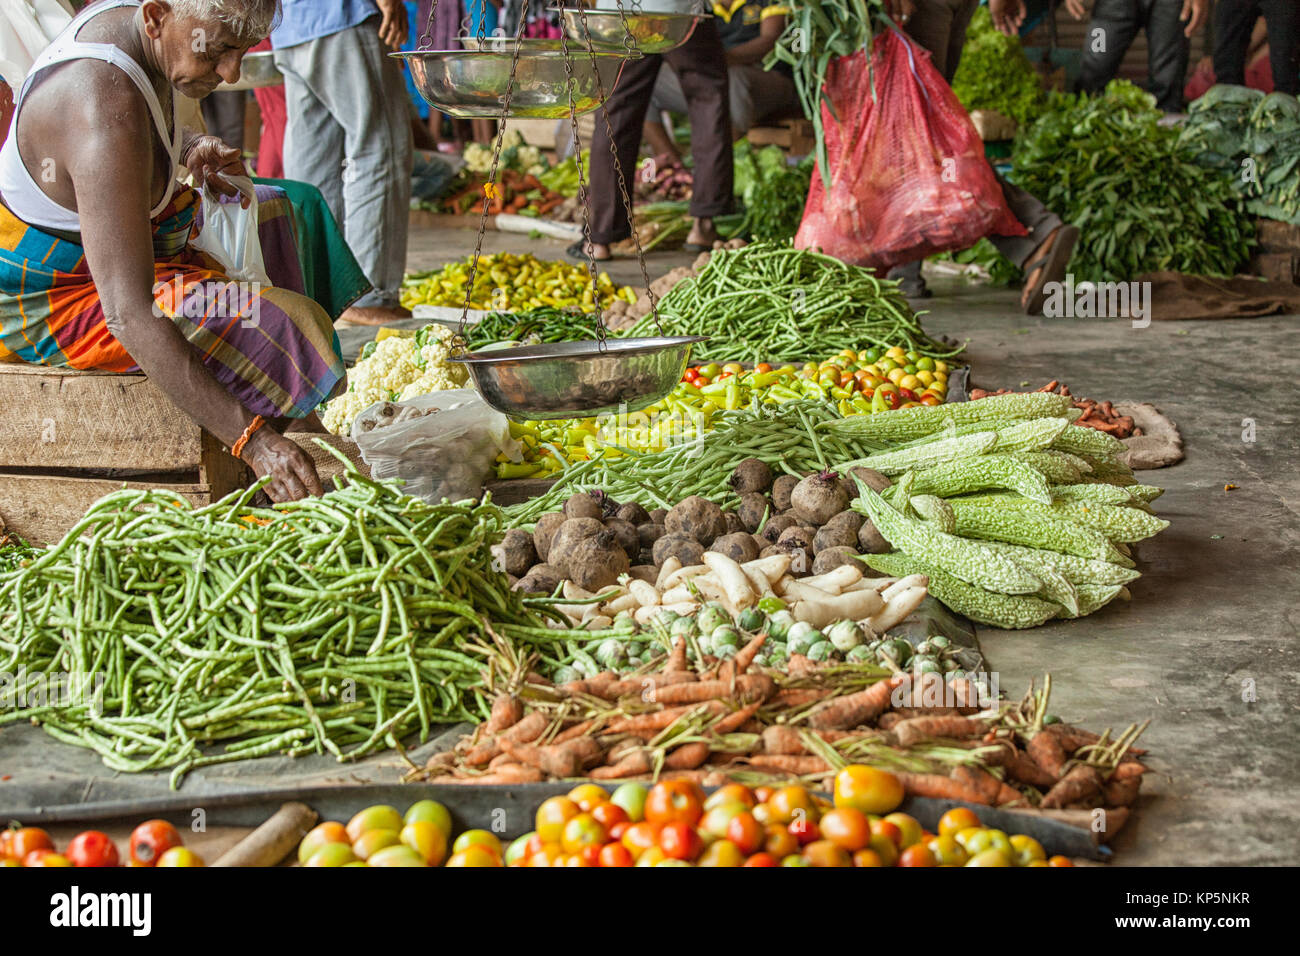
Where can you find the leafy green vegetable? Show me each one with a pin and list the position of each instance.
(995, 74)
(1254, 140)
(772, 191)
(1140, 200)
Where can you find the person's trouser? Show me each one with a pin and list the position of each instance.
(755, 94)
(1233, 22)
(700, 65)
(349, 135)
(223, 114)
(940, 27)
(1114, 25)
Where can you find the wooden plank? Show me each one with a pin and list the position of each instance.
(513, 491)
(221, 471)
(1277, 266)
(43, 508)
(769, 136)
(63, 418)
(1275, 236)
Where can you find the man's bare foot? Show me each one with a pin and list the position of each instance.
(582, 250)
(702, 236)
(373, 315)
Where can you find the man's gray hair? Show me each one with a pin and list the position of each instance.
(250, 20)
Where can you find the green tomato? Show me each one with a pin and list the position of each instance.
(631, 797)
(771, 604)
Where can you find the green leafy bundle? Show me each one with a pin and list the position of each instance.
(995, 74)
(772, 191)
(1254, 139)
(1140, 200)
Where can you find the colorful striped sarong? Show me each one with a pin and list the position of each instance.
(274, 349)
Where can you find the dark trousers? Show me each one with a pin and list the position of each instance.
(701, 67)
(223, 113)
(1233, 22)
(1119, 22)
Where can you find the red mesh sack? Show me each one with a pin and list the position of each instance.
(908, 176)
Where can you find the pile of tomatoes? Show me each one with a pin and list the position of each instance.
(152, 843)
(380, 836)
(674, 824)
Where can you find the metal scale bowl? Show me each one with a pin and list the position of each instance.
(566, 379)
(256, 70)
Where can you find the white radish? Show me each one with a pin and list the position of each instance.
(757, 580)
(644, 615)
(852, 606)
(799, 591)
(683, 574)
(773, 567)
(672, 565)
(645, 593)
(902, 584)
(732, 578)
(836, 580)
(624, 602)
(598, 622)
(899, 607)
(574, 593)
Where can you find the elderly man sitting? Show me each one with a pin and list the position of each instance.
(96, 269)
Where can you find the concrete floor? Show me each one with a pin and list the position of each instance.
(1214, 613)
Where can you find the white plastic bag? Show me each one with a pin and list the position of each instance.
(442, 444)
(229, 234)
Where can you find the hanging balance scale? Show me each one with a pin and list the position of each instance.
(501, 77)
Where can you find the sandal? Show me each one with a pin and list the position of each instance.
(1047, 264)
(578, 252)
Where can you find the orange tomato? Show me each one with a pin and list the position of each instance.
(763, 794)
(45, 857)
(651, 857)
(476, 854)
(588, 796)
(713, 825)
(581, 832)
(886, 828)
(805, 830)
(910, 831)
(885, 847)
(548, 855)
(761, 859)
(608, 814)
(958, 818)
(640, 837)
(722, 853)
(679, 841)
(27, 839)
(618, 829)
(731, 793)
(615, 854)
(551, 817)
(846, 827)
(867, 858)
(590, 855)
(674, 801)
(746, 832)
(1059, 860)
(788, 801)
(331, 831)
(867, 789)
(918, 854)
(779, 841)
(826, 853)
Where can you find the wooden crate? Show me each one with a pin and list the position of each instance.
(795, 135)
(69, 438)
(1275, 236)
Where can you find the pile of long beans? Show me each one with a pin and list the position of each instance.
(784, 435)
(337, 624)
(768, 302)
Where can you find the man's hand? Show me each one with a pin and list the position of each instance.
(293, 475)
(1194, 12)
(1077, 8)
(900, 10)
(210, 161)
(1007, 15)
(393, 25)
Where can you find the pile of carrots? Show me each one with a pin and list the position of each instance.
(514, 192)
(1099, 415)
(729, 721)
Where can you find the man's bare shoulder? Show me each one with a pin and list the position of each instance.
(89, 95)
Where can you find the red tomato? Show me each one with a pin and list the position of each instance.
(891, 830)
(805, 831)
(674, 801)
(761, 859)
(92, 848)
(614, 854)
(746, 832)
(618, 829)
(679, 841)
(918, 854)
(762, 367)
(24, 841)
(640, 837)
(590, 855)
(151, 840)
(907, 394)
(846, 827)
(608, 814)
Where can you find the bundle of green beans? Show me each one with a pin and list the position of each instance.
(787, 436)
(535, 325)
(769, 302)
(334, 624)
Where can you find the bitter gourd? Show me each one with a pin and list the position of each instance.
(966, 475)
(1020, 521)
(983, 607)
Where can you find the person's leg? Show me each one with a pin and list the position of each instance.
(701, 68)
(223, 113)
(626, 110)
(1233, 22)
(363, 89)
(773, 94)
(1111, 30)
(667, 95)
(313, 141)
(932, 27)
(1168, 51)
(1282, 17)
(961, 16)
(1045, 250)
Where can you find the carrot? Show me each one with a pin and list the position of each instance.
(736, 720)
(507, 710)
(687, 756)
(507, 773)
(917, 729)
(547, 205)
(656, 721)
(789, 698)
(789, 763)
(1081, 782)
(677, 657)
(798, 665)
(890, 720)
(695, 776)
(747, 688)
(852, 710)
(535, 678)
(1129, 770)
(744, 657)
(591, 685)
(527, 730)
(907, 713)
(939, 787)
(1023, 768)
(500, 760)
(577, 730)
(631, 763)
(557, 760)
(1046, 750)
(782, 740)
(645, 684)
(979, 779)
(1121, 793)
